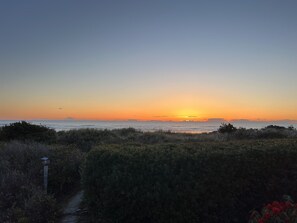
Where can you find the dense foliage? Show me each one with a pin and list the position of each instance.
(199, 182)
(22, 198)
(26, 131)
(229, 132)
(86, 139)
(135, 176)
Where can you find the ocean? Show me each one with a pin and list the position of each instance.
(149, 126)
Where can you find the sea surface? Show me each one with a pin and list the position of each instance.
(148, 126)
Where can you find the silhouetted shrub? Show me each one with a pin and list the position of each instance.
(226, 128)
(26, 131)
(273, 131)
(201, 182)
(275, 127)
(269, 132)
(291, 127)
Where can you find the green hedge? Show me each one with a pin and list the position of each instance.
(202, 182)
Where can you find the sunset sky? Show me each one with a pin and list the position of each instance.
(148, 59)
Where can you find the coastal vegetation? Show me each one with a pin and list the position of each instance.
(192, 182)
(134, 176)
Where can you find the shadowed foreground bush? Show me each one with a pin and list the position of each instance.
(22, 198)
(202, 182)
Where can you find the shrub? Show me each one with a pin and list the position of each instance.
(273, 131)
(269, 132)
(26, 131)
(275, 127)
(14, 187)
(21, 176)
(41, 208)
(22, 201)
(64, 169)
(283, 212)
(201, 182)
(125, 132)
(226, 128)
(85, 139)
(23, 157)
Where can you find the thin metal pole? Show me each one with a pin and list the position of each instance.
(45, 176)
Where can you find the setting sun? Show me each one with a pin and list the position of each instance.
(187, 114)
(95, 65)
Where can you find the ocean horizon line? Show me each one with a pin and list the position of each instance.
(140, 120)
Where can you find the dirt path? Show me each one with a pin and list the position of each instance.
(70, 211)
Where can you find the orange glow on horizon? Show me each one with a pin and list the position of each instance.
(170, 64)
(183, 107)
(179, 115)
